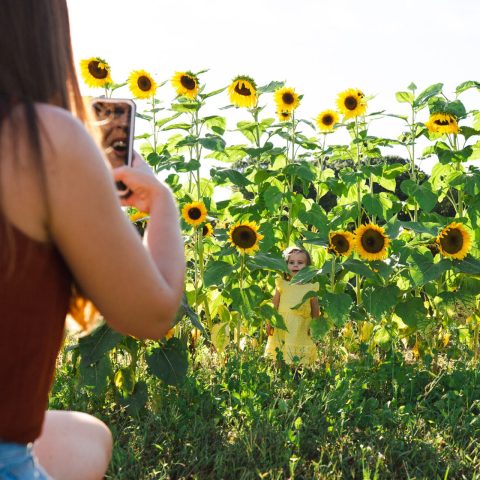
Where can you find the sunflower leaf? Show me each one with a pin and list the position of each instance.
(404, 97)
(421, 193)
(423, 269)
(268, 261)
(305, 275)
(168, 361)
(213, 142)
(469, 265)
(96, 345)
(336, 306)
(429, 92)
(412, 312)
(234, 176)
(216, 271)
(358, 267)
(271, 87)
(379, 300)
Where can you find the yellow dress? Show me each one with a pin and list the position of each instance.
(295, 344)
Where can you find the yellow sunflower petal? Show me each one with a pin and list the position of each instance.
(454, 241)
(185, 84)
(442, 123)
(244, 237)
(194, 213)
(95, 72)
(341, 243)
(371, 242)
(243, 92)
(142, 84)
(326, 120)
(284, 116)
(207, 230)
(286, 99)
(351, 103)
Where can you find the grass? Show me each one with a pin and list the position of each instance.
(244, 418)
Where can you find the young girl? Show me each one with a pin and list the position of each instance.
(296, 345)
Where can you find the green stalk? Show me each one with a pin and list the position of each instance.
(359, 215)
(291, 182)
(154, 126)
(332, 273)
(242, 294)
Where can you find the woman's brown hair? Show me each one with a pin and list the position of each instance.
(36, 66)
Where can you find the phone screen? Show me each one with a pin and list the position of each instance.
(115, 119)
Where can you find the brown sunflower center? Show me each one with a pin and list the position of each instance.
(340, 243)
(194, 213)
(96, 71)
(288, 98)
(373, 241)
(188, 82)
(351, 103)
(205, 230)
(242, 89)
(452, 242)
(244, 237)
(285, 114)
(327, 120)
(144, 83)
(443, 123)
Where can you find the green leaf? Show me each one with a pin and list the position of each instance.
(164, 121)
(424, 270)
(429, 92)
(178, 126)
(381, 336)
(268, 261)
(234, 176)
(212, 94)
(305, 275)
(168, 361)
(271, 87)
(317, 218)
(466, 86)
(412, 312)
(404, 97)
(216, 124)
(266, 311)
(336, 306)
(185, 310)
(135, 402)
(356, 266)
(96, 374)
(469, 264)
(378, 301)
(216, 271)
(97, 344)
(446, 155)
(124, 380)
(319, 327)
(272, 197)
(213, 142)
(421, 193)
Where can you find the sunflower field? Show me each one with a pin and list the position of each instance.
(394, 249)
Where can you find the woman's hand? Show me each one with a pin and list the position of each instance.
(141, 182)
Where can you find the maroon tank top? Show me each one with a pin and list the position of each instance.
(34, 298)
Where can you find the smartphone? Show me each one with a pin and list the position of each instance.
(115, 119)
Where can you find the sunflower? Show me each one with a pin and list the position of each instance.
(185, 84)
(327, 120)
(286, 99)
(194, 213)
(243, 92)
(136, 216)
(284, 115)
(245, 237)
(207, 230)
(351, 103)
(170, 333)
(141, 84)
(371, 242)
(95, 72)
(442, 123)
(454, 241)
(340, 243)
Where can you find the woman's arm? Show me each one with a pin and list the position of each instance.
(137, 288)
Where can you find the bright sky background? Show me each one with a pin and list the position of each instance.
(320, 48)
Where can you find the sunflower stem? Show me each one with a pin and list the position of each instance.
(475, 339)
(155, 133)
(201, 265)
(242, 294)
(291, 182)
(332, 274)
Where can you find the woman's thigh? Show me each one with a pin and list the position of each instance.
(74, 446)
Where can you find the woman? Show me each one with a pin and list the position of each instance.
(61, 225)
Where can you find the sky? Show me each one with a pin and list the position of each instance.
(319, 48)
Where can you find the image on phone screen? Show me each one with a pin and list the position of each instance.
(115, 119)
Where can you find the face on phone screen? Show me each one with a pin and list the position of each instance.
(114, 120)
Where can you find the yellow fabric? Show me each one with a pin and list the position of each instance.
(296, 344)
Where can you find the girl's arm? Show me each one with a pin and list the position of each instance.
(314, 307)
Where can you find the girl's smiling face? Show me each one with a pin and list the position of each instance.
(296, 261)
